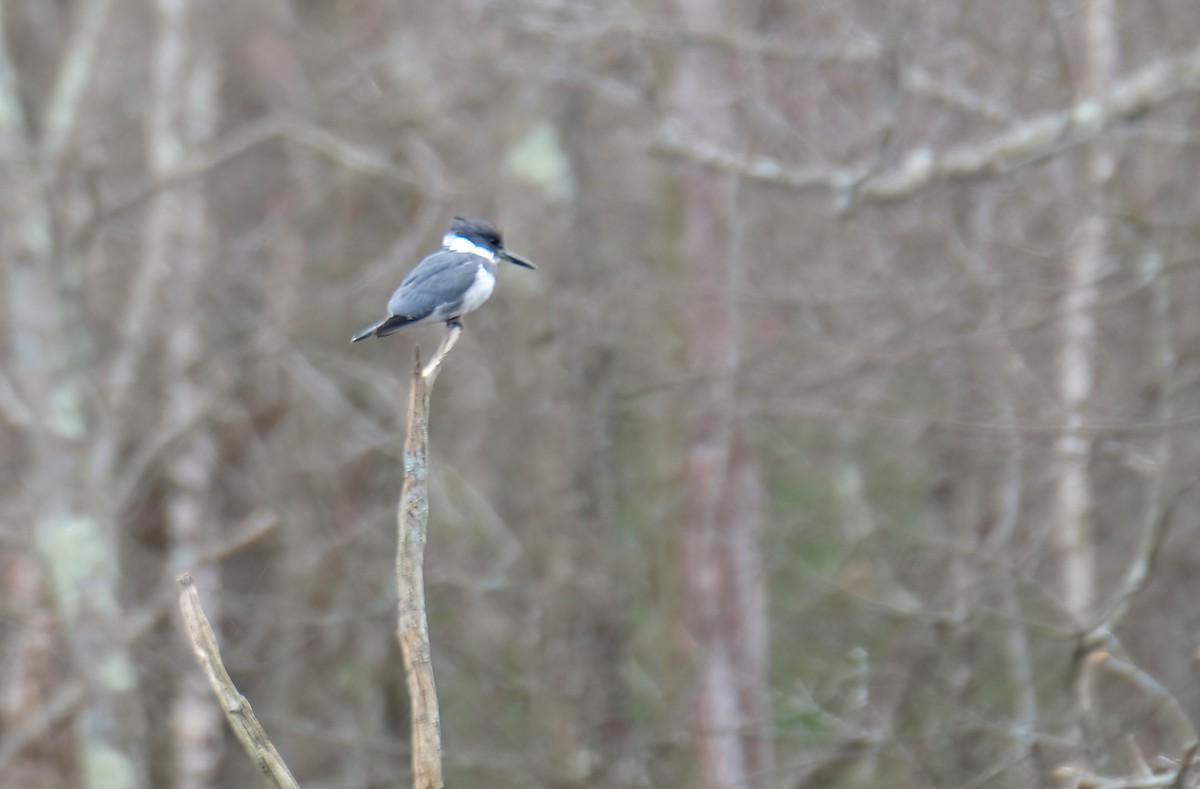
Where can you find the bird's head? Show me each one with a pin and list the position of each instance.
(483, 234)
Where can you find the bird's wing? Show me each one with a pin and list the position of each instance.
(438, 281)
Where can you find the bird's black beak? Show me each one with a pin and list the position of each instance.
(511, 258)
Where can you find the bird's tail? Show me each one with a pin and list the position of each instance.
(388, 325)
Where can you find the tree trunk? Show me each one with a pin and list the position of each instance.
(26, 667)
(179, 236)
(1074, 539)
(723, 576)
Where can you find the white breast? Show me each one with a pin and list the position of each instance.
(480, 290)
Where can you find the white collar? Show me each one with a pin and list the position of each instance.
(457, 243)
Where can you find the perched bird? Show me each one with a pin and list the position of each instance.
(448, 284)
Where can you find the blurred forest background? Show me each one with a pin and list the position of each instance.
(844, 437)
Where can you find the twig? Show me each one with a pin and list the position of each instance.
(929, 85)
(349, 154)
(1138, 575)
(198, 165)
(1185, 765)
(412, 628)
(63, 705)
(237, 709)
(1143, 681)
(250, 531)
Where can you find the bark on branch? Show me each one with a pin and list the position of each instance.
(237, 709)
(412, 629)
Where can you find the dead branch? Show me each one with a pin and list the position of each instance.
(237, 709)
(71, 697)
(412, 629)
(1142, 680)
(1138, 574)
(1024, 142)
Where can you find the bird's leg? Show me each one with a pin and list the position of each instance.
(455, 328)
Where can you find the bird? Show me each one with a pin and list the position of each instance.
(449, 283)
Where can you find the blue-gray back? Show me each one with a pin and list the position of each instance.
(439, 280)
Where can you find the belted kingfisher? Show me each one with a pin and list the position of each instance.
(451, 282)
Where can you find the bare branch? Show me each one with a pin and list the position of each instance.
(241, 141)
(347, 153)
(1185, 766)
(74, 75)
(1023, 143)
(1141, 679)
(1073, 777)
(13, 407)
(237, 709)
(12, 114)
(1138, 574)
(851, 48)
(64, 705)
(252, 530)
(923, 83)
(412, 628)
(431, 370)
(862, 49)
(71, 697)
(227, 148)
